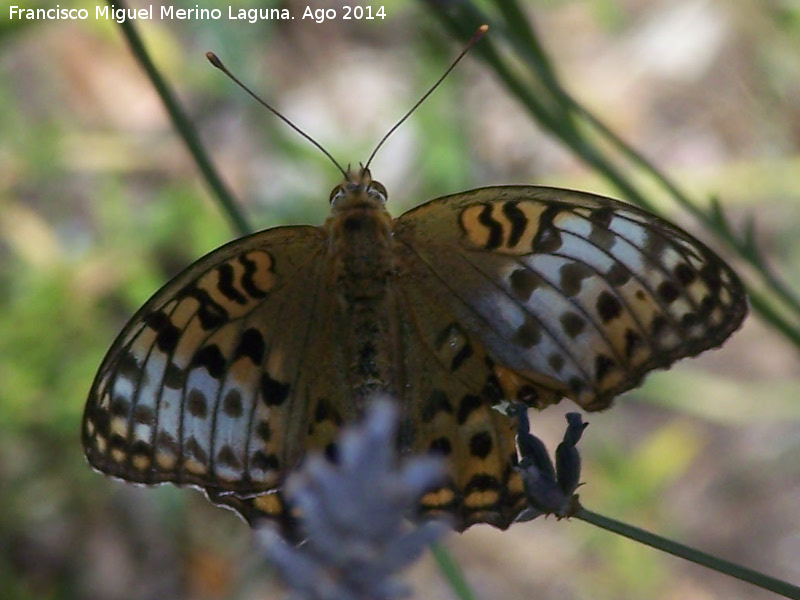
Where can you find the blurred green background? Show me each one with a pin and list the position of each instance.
(100, 204)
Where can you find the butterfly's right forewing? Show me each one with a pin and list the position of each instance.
(578, 294)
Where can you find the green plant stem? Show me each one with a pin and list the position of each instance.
(696, 556)
(452, 572)
(707, 219)
(765, 309)
(184, 126)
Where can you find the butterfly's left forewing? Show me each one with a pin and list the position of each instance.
(571, 294)
(195, 389)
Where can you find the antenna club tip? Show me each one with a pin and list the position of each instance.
(214, 60)
(479, 33)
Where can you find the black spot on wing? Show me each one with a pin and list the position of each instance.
(548, 238)
(658, 325)
(707, 305)
(618, 275)
(195, 450)
(463, 354)
(251, 345)
(602, 216)
(440, 445)
(232, 404)
(227, 457)
(326, 411)
(571, 276)
(196, 404)
(492, 392)
(573, 324)
(684, 274)
(157, 321)
(264, 431)
(528, 394)
(668, 292)
(602, 238)
(480, 444)
(469, 403)
(128, 367)
(119, 406)
(529, 333)
(711, 277)
(602, 367)
(451, 336)
(265, 462)
(211, 358)
(273, 392)
(576, 385)
(556, 362)
(166, 442)
(608, 307)
(523, 283)
(632, 341)
(174, 377)
(167, 335)
(331, 452)
(144, 414)
(436, 403)
(141, 449)
(482, 483)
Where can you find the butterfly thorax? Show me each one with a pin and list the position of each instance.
(362, 266)
(360, 234)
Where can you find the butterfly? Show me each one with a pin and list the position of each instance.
(262, 350)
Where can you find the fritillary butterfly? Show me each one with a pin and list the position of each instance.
(262, 349)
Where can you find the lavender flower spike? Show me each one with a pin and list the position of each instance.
(353, 514)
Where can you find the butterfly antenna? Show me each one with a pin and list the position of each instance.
(214, 60)
(476, 37)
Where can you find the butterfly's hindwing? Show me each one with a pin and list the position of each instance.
(450, 391)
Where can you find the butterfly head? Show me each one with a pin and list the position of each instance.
(358, 190)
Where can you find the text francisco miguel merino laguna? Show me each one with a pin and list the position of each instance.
(111, 12)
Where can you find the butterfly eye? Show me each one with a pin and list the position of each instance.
(376, 188)
(338, 192)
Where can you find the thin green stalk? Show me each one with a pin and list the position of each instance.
(452, 572)
(696, 556)
(781, 290)
(771, 316)
(183, 125)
